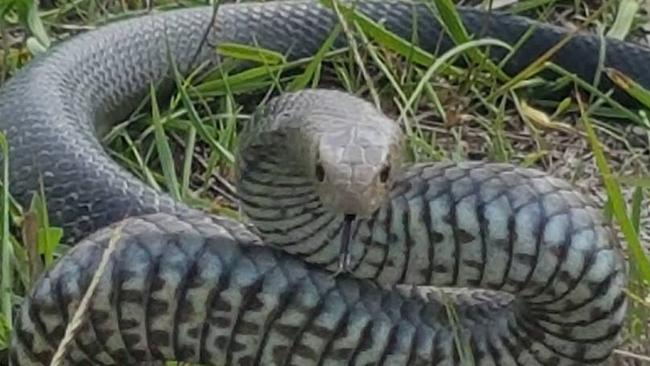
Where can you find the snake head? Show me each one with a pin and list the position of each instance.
(355, 165)
(348, 149)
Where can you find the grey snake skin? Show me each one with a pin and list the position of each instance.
(185, 285)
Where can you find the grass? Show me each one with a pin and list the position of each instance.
(185, 146)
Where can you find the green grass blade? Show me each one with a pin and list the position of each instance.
(442, 60)
(187, 161)
(253, 78)
(641, 260)
(543, 61)
(356, 55)
(36, 25)
(164, 151)
(372, 51)
(47, 237)
(250, 53)
(28, 13)
(40, 238)
(302, 80)
(625, 112)
(7, 252)
(626, 83)
(452, 22)
(388, 39)
(195, 119)
(637, 200)
(194, 115)
(627, 10)
(5, 332)
(136, 163)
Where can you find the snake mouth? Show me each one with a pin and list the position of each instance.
(344, 256)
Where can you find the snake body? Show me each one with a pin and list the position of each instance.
(180, 284)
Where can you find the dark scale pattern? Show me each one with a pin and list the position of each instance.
(182, 285)
(201, 289)
(509, 229)
(238, 301)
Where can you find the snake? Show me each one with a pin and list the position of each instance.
(345, 254)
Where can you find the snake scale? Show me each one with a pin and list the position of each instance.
(180, 284)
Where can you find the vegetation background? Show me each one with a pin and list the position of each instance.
(185, 145)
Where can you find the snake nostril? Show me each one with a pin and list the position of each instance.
(320, 172)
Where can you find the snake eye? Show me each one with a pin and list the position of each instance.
(320, 172)
(384, 174)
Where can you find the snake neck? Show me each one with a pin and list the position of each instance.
(309, 159)
(276, 192)
(283, 205)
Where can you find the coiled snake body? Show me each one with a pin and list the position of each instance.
(184, 285)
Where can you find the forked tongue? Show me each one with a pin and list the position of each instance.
(346, 238)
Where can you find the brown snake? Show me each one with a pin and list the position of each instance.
(319, 173)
